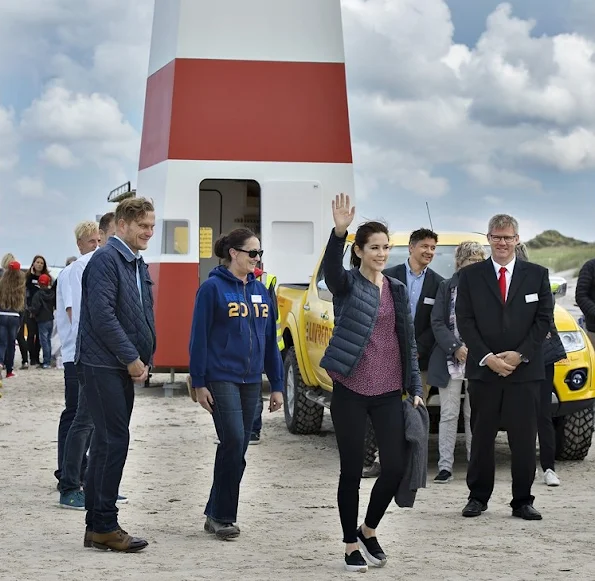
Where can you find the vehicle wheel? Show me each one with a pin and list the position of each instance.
(302, 415)
(574, 433)
(370, 446)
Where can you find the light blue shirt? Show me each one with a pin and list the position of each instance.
(415, 282)
(137, 256)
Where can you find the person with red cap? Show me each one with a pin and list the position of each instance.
(12, 304)
(42, 308)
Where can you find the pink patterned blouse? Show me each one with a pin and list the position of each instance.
(379, 370)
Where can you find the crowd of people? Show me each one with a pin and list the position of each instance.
(485, 336)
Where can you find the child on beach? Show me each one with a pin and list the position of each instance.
(42, 309)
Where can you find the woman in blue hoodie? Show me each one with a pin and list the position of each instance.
(233, 340)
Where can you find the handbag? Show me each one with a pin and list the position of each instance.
(553, 349)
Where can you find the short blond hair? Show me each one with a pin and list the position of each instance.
(7, 259)
(84, 229)
(467, 249)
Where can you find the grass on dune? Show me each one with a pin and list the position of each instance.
(560, 258)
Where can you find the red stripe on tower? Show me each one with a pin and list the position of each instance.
(208, 109)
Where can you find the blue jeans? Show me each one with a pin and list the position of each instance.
(9, 328)
(233, 414)
(76, 445)
(71, 399)
(45, 338)
(257, 426)
(110, 399)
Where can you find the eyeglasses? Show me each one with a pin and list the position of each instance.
(507, 239)
(251, 253)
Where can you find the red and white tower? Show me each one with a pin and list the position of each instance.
(246, 123)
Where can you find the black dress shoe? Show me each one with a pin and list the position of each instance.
(526, 512)
(474, 508)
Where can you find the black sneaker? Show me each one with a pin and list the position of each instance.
(355, 563)
(371, 549)
(254, 438)
(223, 531)
(443, 477)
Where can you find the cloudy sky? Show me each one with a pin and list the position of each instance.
(475, 106)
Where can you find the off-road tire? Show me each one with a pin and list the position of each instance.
(574, 434)
(370, 445)
(306, 415)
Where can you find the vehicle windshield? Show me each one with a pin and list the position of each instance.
(443, 263)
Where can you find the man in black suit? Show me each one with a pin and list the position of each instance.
(503, 308)
(422, 285)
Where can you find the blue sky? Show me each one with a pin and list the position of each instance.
(475, 107)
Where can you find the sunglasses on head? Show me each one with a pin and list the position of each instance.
(251, 253)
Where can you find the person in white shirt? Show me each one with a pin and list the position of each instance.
(76, 425)
(87, 239)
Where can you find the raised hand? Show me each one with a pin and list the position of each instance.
(343, 214)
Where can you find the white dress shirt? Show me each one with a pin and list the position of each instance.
(63, 302)
(76, 288)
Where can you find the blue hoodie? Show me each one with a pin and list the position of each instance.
(234, 335)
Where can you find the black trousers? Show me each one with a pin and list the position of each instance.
(545, 426)
(350, 412)
(513, 406)
(33, 342)
(22, 341)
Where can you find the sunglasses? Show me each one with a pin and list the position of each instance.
(251, 253)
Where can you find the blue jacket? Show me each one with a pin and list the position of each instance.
(233, 334)
(115, 327)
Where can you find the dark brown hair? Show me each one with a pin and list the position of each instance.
(363, 235)
(422, 234)
(133, 210)
(45, 265)
(105, 221)
(235, 239)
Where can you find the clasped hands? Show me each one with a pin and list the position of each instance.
(504, 363)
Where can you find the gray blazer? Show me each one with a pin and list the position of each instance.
(446, 342)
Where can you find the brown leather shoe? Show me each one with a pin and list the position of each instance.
(88, 541)
(119, 541)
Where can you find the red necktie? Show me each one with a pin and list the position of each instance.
(502, 283)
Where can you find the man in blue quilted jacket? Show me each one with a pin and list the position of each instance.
(115, 346)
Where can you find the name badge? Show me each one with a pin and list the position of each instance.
(429, 301)
(532, 298)
(257, 299)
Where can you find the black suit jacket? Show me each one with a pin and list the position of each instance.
(424, 335)
(488, 325)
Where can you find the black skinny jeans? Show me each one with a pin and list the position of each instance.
(545, 426)
(350, 411)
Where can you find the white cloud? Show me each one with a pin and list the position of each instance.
(59, 156)
(485, 109)
(8, 140)
(574, 151)
(28, 187)
(92, 125)
(89, 45)
(489, 176)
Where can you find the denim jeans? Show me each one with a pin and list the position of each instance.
(110, 399)
(71, 399)
(9, 328)
(233, 414)
(77, 443)
(45, 338)
(257, 426)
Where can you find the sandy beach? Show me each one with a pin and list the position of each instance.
(288, 514)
